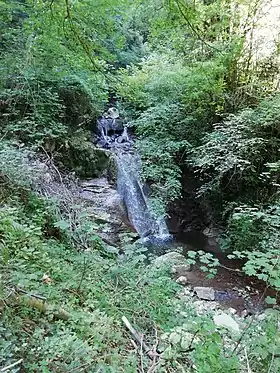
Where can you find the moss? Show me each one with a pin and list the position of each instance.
(112, 172)
(80, 155)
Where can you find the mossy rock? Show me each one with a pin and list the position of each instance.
(78, 154)
(112, 171)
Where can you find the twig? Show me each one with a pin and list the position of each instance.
(53, 165)
(231, 269)
(138, 338)
(141, 355)
(134, 344)
(11, 366)
(1, 138)
(18, 290)
(248, 365)
(155, 354)
(83, 275)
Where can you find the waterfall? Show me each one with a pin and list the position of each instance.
(130, 188)
(151, 229)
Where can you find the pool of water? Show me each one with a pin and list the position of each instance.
(232, 287)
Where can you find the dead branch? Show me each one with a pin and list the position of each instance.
(153, 366)
(11, 366)
(138, 338)
(18, 290)
(53, 165)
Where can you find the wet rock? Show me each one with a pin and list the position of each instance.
(105, 207)
(179, 270)
(80, 155)
(112, 170)
(182, 280)
(226, 321)
(113, 112)
(205, 293)
(114, 205)
(170, 259)
(224, 295)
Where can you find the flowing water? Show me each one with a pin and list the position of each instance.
(130, 187)
(151, 229)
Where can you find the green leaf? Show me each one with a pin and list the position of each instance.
(192, 254)
(62, 224)
(270, 300)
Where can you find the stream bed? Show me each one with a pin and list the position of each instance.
(233, 289)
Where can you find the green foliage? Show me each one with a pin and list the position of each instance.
(14, 165)
(52, 67)
(96, 290)
(189, 64)
(208, 263)
(87, 286)
(238, 164)
(253, 234)
(178, 104)
(239, 151)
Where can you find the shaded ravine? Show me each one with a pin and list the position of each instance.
(232, 287)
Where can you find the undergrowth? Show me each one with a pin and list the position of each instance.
(62, 306)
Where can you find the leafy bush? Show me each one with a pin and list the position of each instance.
(253, 235)
(170, 106)
(238, 164)
(238, 153)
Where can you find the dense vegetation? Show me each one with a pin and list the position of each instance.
(201, 94)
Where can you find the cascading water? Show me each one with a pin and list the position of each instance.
(150, 228)
(130, 188)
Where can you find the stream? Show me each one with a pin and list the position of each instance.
(233, 289)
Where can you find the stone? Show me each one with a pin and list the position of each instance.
(212, 237)
(226, 321)
(170, 259)
(205, 293)
(244, 313)
(182, 280)
(113, 112)
(47, 177)
(174, 338)
(187, 291)
(203, 307)
(179, 270)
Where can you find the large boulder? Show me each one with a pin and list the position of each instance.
(171, 260)
(226, 321)
(106, 208)
(78, 154)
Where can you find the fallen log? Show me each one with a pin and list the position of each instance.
(19, 296)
